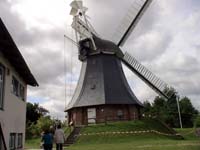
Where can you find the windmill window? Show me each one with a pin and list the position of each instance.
(86, 44)
(120, 114)
(2, 78)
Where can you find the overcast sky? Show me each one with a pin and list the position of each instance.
(166, 40)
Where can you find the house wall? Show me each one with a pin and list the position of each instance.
(105, 113)
(13, 115)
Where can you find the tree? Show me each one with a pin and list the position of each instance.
(172, 109)
(159, 105)
(34, 112)
(32, 131)
(167, 111)
(188, 112)
(197, 122)
(45, 123)
(159, 109)
(34, 119)
(42, 111)
(147, 108)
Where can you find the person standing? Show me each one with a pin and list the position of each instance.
(47, 139)
(59, 138)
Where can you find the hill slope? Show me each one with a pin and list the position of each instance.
(131, 141)
(138, 125)
(125, 131)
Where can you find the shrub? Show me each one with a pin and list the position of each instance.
(197, 122)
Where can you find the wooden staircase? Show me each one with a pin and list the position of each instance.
(71, 139)
(171, 130)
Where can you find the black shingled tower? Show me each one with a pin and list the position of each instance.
(102, 80)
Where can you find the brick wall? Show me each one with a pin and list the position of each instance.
(105, 113)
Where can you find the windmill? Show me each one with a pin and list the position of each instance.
(102, 93)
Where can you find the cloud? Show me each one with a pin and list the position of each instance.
(43, 50)
(166, 40)
(173, 53)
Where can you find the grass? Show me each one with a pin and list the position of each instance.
(33, 143)
(138, 142)
(139, 125)
(147, 141)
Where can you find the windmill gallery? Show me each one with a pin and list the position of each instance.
(102, 92)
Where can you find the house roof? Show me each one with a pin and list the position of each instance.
(9, 49)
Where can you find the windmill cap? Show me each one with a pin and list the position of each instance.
(102, 46)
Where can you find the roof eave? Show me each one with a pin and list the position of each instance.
(19, 64)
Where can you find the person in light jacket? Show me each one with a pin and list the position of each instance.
(59, 138)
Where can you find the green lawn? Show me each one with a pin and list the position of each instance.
(139, 125)
(32, 143)
(142, 141)
(137, 142)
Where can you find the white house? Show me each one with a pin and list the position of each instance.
(14, 78)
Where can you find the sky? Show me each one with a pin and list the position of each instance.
(166, 40)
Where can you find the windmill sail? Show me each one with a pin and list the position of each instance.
(130, 21)
(147, 76)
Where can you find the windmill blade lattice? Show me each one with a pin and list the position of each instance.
(147, 76)
(129, 22)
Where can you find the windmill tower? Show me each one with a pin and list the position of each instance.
(102, 93)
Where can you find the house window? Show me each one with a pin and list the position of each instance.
(2, 74)
(12, 141)
(15, 86)
(21, 92)
(19, 140)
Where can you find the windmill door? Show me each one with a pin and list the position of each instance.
(91, 114)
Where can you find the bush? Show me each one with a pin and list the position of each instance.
(197, 122)
(44, 123)
(32, 131)
(35, 130)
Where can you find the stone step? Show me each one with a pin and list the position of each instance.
(71, 139)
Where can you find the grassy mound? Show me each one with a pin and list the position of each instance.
(92, 134)
(144, 141)
(139, 125)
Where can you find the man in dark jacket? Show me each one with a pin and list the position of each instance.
(47, 139)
